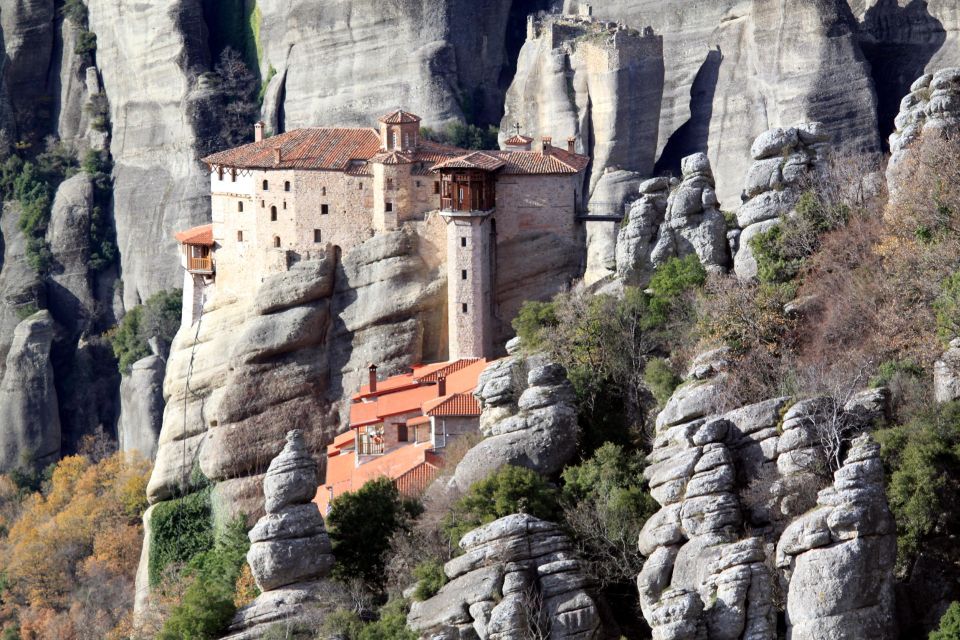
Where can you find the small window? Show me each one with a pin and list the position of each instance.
(418, 184)
(436, 187)
(316, 235)
(284, 205)
(239, 236)
(263, 203)
(463, 242)
(389, 183)
(276, 242)
(324, 209)
(389, 206)
(266, 186)
(273, 214)
(323, 191)
(463, 274)
(464, 307)
(360, 186)
(240, 206)
(286, 186)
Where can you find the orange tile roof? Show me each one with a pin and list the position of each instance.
(201, 236)
(518, 141)
(446, 368)
(455, 404)
(476, 160)
(413, 422)
(313, 148)
(392, 157)
(399, 117)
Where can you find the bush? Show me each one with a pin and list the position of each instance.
(532, 319)
(668, 287)
(922, 460)
(76, 12)
(430, 578)
(391, 625)
(99, 110)
(606, 503)
(889, 370)
(239, 94)
(660, 379)
(208, 603)
(360, 526)
(509, 490)
(949, 625)
(181, 529)
(158, 318)
(465, 136)
(86, 43)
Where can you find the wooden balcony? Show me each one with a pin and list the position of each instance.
(200, 265)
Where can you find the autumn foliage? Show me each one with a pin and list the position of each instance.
(71, 550)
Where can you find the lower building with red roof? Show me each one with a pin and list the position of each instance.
(401, 426)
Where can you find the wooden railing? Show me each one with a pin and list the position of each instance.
(200, 264)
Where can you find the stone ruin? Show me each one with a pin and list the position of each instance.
(742, 531)
(783, 160)
(516, 574)
(673, 219)
(290, 554)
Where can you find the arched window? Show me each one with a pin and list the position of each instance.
(273, 214)
(239, 236)
(276, 242)
(240, 206)
(266, 186)
(286, 186)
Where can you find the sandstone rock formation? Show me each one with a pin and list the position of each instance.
(675, 223)
(735, 523)
(72, 296)
(596, 81)
(289, 553)
(946, 374)
(735, 69)
(528, 419)
(516, 574)
(613, 195)
(141, 406)
(784, 159)
(30, 437)
(931, 108)
(28, 41)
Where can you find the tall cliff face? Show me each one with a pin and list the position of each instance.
(150, 57)
(735, 68)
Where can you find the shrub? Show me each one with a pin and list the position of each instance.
(660, 379)
(669, 284)
(922, 459)
(605, 504)
(532, 319)
(208, 603)
(99, 110)
(391, 625)
(76, 12)
(86, 43)
(947, 308)
(239, 94)
(430, 578)
(891, 369)
(360, 526)
(181, 529)
(465, 136)
(509, 490)
(158, 318)
(949, 624)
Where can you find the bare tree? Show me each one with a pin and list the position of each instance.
(537, 623)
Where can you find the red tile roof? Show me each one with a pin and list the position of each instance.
(399, 117)
(392, 157)
(476, 160)
(518, 141)
(201, 236)
(455, 404)
(315, 148)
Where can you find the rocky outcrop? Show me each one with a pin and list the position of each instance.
(30, 437)
(736, 489)
(596, 81)
(932, 108)
(844, 549)
(735, 69)
(141, 407)
(614, 193)
(946, 374)
(289, 553)
(528, 419)
(784, 161)
(28, 41)
(71, 295)
(517, 574)
(673, 220)
(150, 61)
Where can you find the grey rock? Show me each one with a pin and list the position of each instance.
(305, 282)
(292, 476)
(744, 264)
(946, 375)
(774, 142)
(141, 406)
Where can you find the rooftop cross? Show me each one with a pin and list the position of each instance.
(516, 125)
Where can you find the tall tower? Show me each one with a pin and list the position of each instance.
(467, 204)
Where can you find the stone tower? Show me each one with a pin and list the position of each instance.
(469, 281)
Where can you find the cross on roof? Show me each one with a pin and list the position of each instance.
(516, 125)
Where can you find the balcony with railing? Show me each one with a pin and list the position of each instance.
(202, 264)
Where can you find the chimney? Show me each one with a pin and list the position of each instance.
(572, 144)
(441, 385)
(373, 378)
(545, 143)
(277, 155)
(258, 131)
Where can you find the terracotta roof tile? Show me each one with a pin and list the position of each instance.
(399, 117)
(455, 404)
(476, 160)
(518, 162)
(202, 235)
(518, 141)
(314, 148)
(392, 157)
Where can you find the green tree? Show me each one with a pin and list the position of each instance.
(949, 625)
(360, 526)
(660, 379)
(509, 490)
(158, 318)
